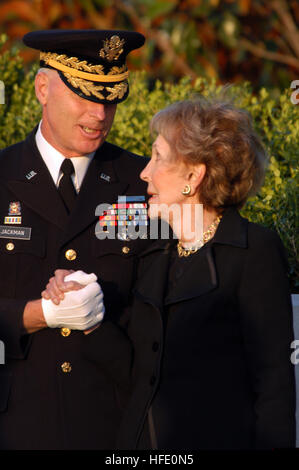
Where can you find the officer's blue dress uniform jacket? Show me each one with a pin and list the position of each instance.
(44, 405)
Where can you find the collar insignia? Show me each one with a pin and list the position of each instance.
(30, 175)
(105, 177)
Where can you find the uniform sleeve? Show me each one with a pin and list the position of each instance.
(111, 349)
(12, 333)
(266, 314)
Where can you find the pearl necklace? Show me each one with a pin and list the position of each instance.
(206, 236)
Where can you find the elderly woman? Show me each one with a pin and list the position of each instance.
(206, 351)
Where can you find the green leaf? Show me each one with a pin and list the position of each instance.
(159, 8)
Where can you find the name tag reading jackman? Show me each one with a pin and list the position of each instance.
(19, 233)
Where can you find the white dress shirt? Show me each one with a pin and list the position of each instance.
(53, 159)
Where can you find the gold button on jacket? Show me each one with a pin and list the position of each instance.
(125, 250)
(66, 367)
(10, 246)
(71, 255)
(65, 332)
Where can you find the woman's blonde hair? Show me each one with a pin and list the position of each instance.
(221, 136)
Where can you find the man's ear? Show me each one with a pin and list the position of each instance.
(42, 87)
(195, 176)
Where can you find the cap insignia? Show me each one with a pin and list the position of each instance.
(112, 48)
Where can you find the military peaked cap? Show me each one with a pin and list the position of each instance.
(92, 63)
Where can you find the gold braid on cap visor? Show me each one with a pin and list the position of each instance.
(81, 75)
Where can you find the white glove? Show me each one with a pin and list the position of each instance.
(79, 310)
(81, 277)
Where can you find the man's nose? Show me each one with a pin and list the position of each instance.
(97, 111)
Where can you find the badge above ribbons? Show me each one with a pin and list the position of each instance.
(14, 213)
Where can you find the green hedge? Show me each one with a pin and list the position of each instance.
(276, 120)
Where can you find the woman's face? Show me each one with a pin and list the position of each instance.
(166, 178)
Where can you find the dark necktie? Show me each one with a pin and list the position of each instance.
(66, 187)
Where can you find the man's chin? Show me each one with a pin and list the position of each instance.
(90, 147)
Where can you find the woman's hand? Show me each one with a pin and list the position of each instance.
(57, 286)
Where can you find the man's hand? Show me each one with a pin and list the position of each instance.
(33, 316)
(80, 309)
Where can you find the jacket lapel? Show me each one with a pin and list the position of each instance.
(100, 185)
(200, 274)
(194, 281)
(31, 182)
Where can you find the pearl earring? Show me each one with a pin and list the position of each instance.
(187, 190)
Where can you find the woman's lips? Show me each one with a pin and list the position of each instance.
(152, 198)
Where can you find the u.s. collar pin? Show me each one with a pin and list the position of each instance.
(105, 177)
(31, 174)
